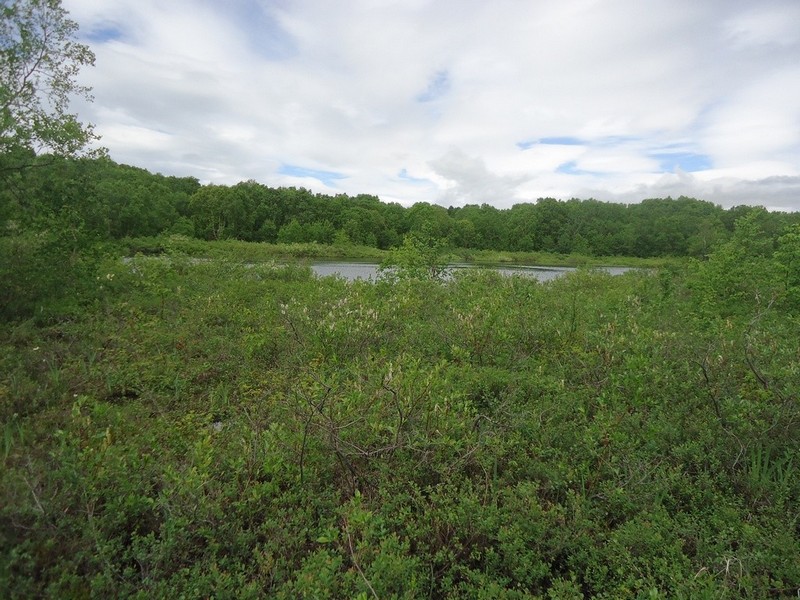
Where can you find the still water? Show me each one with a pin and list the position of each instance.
(354, 270)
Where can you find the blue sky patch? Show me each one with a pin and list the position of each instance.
(688, 162)
(570, 168)
(571, 140)
(559, 140)
(263, 32)
(565, 140)
(616, 140)
(326, 177)
(104, 33)
(438, 86)
(403, 174)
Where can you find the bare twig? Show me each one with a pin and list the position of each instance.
(355, 561)
(711, 394)
(35, 496)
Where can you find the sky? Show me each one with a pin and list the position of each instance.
(455, 101)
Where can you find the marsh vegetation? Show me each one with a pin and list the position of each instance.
(216, 428)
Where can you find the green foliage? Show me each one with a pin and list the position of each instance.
(118, 201)
(47, 250)
(49, 273)
(740, 276)
(788, 258)
(212, 428)
(39, 63)
(420, 257)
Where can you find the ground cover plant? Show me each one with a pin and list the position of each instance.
(220, 429)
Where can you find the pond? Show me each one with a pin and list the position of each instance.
(356, 270)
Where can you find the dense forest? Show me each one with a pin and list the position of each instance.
(116, 201)
(187, 411)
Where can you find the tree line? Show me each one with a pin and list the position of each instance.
(114, 201)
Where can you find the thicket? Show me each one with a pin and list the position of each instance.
(214, 429)
(117, 201)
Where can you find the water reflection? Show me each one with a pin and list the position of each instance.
(355, 270)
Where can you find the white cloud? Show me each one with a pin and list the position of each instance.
(444, 100)
(761, 120)
(765, 25)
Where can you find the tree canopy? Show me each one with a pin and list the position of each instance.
(40, 59)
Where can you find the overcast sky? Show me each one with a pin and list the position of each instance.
(456, 101)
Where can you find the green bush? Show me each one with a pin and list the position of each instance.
(211, 428)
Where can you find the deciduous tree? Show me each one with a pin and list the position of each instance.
(39, 63)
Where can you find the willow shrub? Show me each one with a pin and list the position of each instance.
(208, 428)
